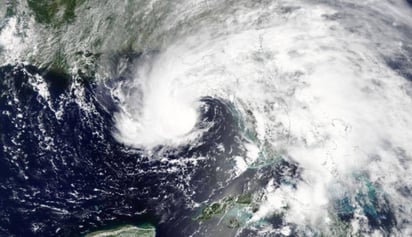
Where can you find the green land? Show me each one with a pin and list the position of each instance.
(126, 231)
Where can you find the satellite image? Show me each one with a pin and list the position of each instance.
(205, 118)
